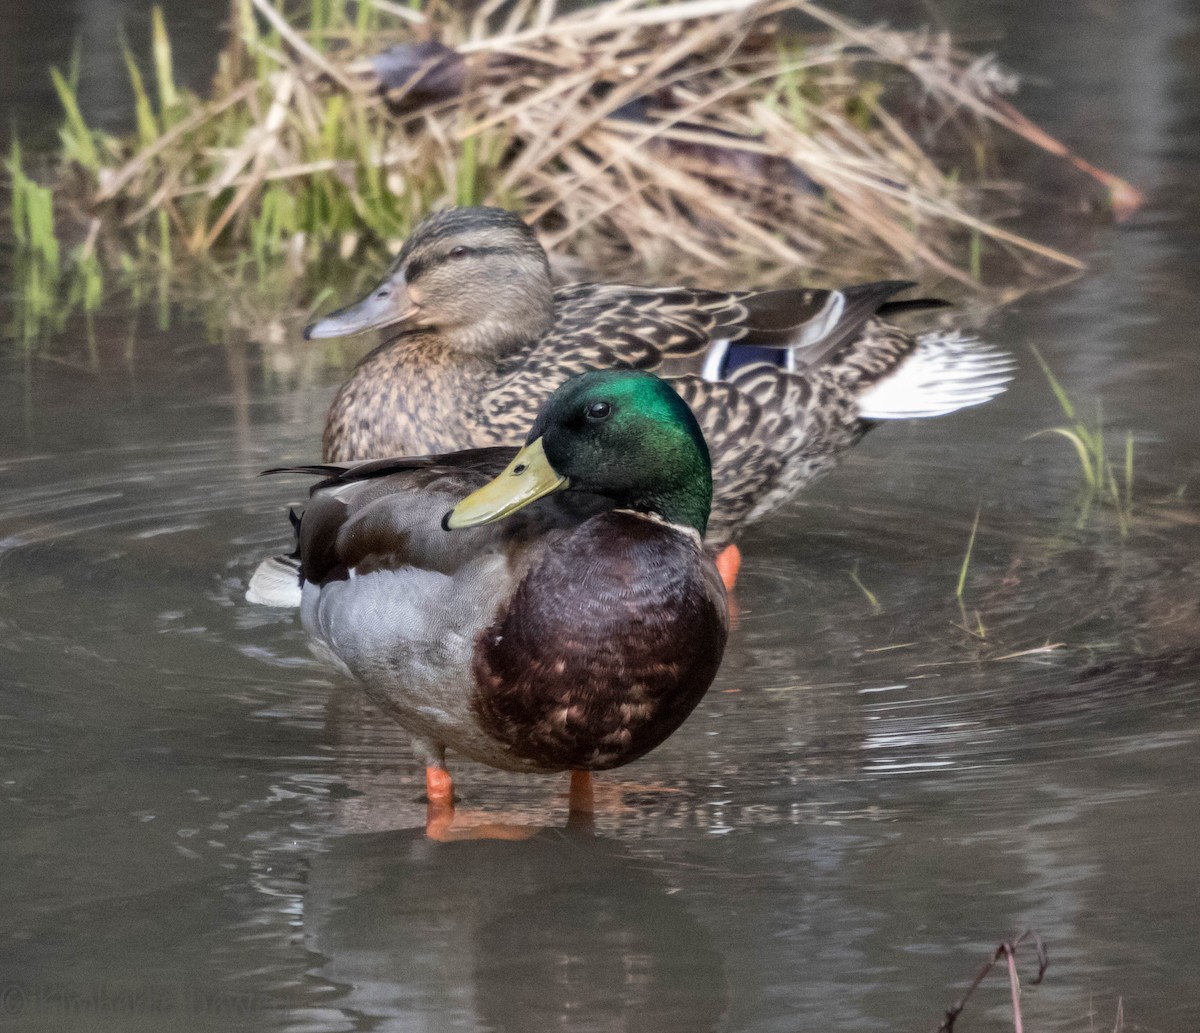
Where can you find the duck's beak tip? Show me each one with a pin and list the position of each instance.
(381, 308)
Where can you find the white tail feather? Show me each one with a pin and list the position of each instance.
(276, 582)
(944, 373)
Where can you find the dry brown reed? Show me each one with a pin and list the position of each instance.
(696, 139)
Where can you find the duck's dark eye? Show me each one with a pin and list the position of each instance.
(383, 292)
(598, 411)
(459, 251)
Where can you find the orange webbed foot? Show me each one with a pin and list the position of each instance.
(445, 825)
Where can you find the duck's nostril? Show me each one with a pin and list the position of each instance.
(520, 469)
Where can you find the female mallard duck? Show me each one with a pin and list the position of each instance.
(578, 632)
(782, 382)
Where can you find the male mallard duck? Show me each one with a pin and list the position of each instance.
(782, 382)
(563, 615)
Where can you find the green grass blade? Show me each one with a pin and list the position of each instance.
(164, 239)
(468, 166)
(78, 143)
(871, 597)
(164, 71)
(1081, 450)
(1129, 471)
(41, 227)
(966, 563)
(1055, 386)
(20, 193)
(147, 125)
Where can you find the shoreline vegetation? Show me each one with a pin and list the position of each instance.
(696, 140)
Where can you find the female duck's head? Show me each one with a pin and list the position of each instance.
(475, 276)
(623, 434)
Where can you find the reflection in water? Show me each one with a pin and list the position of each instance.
(564, 931)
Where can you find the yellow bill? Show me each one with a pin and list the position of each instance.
(526, 479)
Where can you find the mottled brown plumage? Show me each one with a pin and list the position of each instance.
(483, 340)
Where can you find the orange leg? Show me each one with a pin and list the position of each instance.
(439, 811)
(729, 562)
(439, 787)
(581, 799)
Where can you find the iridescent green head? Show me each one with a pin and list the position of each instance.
(624, 434)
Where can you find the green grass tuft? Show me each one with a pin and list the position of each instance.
(1101, 481)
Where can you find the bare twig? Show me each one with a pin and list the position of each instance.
(1008, 951)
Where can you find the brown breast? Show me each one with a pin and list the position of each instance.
(609, 642)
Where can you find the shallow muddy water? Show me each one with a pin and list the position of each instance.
(201, 828)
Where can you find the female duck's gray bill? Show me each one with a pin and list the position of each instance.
(387, 304)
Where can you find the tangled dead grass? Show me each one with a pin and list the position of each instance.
(768, 137)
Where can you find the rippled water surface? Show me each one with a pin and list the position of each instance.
(202, 828)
